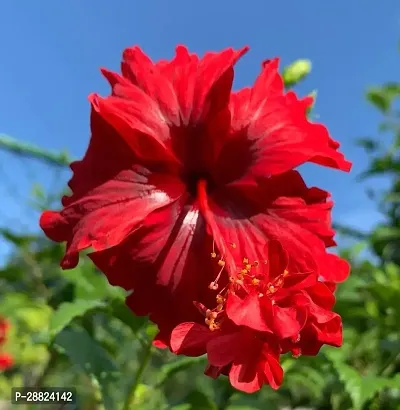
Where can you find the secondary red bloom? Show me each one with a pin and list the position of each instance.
(4, 328)
(262, 312)
(248, 357)
(173, 150)
(6, 360)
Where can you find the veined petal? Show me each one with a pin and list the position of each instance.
(107, 214)
(281, 208)
(138, 120)
(190, 339)
(166, 262)
(270, 133)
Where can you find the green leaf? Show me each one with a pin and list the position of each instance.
(12, 302)
(382, 97)
(68, 311)
(361, 389)
(126, 316)
(92, 284)
(17, 239)
(385, 233)
(250, 407)
(92, 359)
(36, 318)
(369, 144)
(199, 401)
(296, 72)
(179, 365)
(183, 406)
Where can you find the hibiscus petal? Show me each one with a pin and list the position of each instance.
(246, 377)
(190, 339)
(321, 295)
(273, 371)
(211, 69)
(331, 332)
(222, 349)
(214, 371)
(182, 72)
(288, 322)
(336, 269)
(133, 263)
(251, 311)
(316, 313)
(251, 216)
(138, 120)
(108, 213)
(140, 70)
(167, 263)
(271, 132)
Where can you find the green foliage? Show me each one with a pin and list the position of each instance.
(92, 359)
(71, 328)
(68, 311)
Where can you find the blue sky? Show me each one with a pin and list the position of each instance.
(52, 51)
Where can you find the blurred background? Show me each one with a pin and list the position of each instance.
(51, 55)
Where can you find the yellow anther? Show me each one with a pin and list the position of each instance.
(255, 281)
(208, 322)
(245, 261)
(233, 245)
(285, 272)
(213, 326)
(221, 262)
(248, 266)
(220, 307)
(220, 299)
(243, 272)
(214, 315)
(208, 313)
(213, 255)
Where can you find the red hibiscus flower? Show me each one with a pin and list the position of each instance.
(177, 160)
(4, 328)
(6, 360)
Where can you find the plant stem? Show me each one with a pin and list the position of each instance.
(142, 366)
(226, 397)
(46, 370)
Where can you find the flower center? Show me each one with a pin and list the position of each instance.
(192, 179)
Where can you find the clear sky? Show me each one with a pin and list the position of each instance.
(51, 51)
